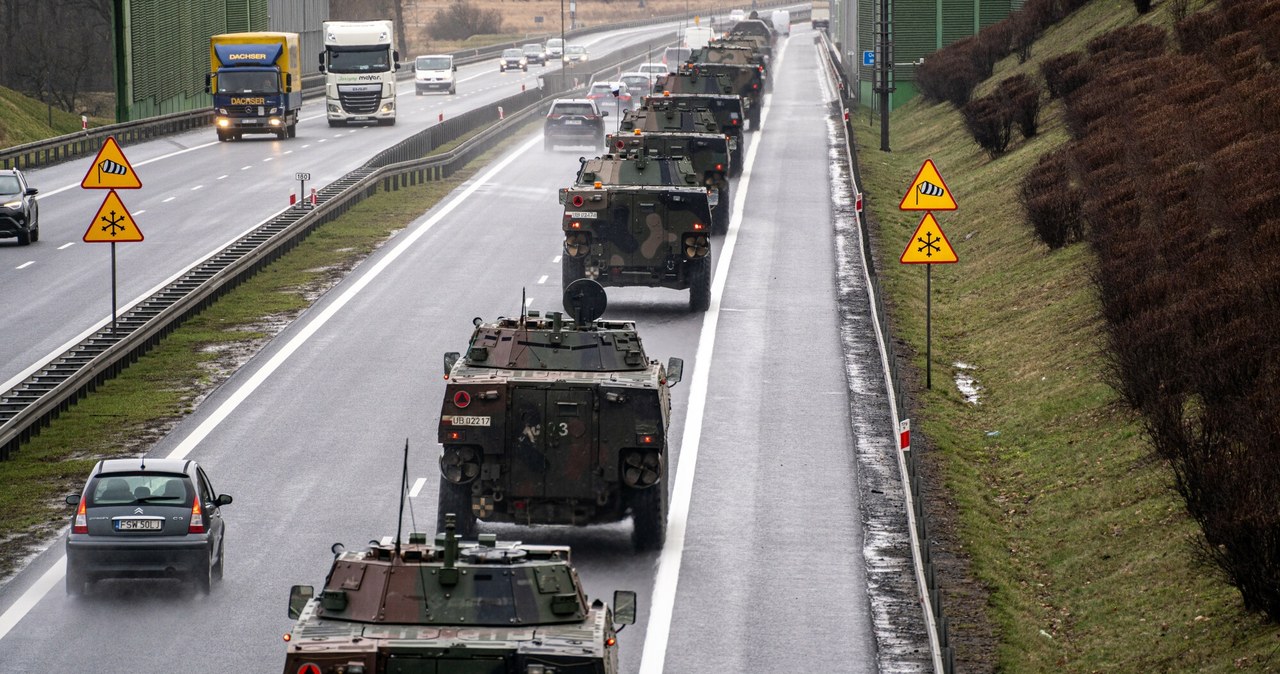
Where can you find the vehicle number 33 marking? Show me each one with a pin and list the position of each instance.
(561, 428)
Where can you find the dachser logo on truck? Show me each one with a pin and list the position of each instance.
(241, 57)
(248, 101)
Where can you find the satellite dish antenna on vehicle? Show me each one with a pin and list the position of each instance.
(585, 300)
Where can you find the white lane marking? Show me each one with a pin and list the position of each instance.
(196, 187)
(31, 597)
(542, 280)
(325, 139)
(68, 245)
(288, 151)
(168, 200)
(26, 264)
(222, 176)
(306, 146)
(140, 212)
(528, 301)
(417, 487)
(268, 159)
(555, 260)
(663, 601)
(245, 168)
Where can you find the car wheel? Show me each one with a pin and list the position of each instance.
(417, 92)
(721, 214)
(453, 90)
(222, 136)
(203, 577)
(649, 517)
(525, 68)
(334, 122)
(699, 284)
(456, 499)
(76, 582)
(24, 237)
(293, 130)
(35, 234)
(571, 269)
(222, 558)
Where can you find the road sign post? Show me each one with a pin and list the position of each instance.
(112, 223)
(928, 245)
(302, 179)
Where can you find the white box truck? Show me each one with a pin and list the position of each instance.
(821, 17)
(360, 63)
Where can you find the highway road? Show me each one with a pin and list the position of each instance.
(763, 569)
(197, 196)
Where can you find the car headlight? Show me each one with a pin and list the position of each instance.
(13, 204)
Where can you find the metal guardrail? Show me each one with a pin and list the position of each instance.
(936, 619)
(87, 143)
(41, 397)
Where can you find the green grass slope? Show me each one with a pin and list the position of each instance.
(25, 120)
(1066, 515)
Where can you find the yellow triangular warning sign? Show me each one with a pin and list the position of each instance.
(110, 170)
(112, 224)
(928, 245)
(928, 192)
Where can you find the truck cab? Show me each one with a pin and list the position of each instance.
(256, 83)
(360, 67)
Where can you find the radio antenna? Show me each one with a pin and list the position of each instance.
(404, 488)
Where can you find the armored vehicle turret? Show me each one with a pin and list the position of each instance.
(550, 420)
(453, 606)
(692, 113)
(707, 152)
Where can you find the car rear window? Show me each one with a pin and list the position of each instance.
(636, 81)
(601, 89)
(124, 489)
(573, 109)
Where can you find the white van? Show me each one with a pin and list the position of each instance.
(781, 20)
(697, 37)
(434, 73)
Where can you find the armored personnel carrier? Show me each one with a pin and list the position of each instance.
(708, 152)
(550, 420)
(484, 607)
(693, 113)
(748, 82)
(759, 44)
(629, 165)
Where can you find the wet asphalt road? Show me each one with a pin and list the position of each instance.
(770, 575)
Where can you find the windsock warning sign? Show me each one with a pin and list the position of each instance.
(928, 192)
(110, 170)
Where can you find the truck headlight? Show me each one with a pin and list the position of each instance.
(224, 122)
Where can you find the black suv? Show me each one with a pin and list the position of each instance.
(533, 53)
(146, 518)
(19, 212)
(574, 120)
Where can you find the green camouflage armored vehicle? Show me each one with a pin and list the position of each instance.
(693, 113)
(760, 45)
(631, 235)
(707, 152)
(548, 420)
(748, 82)
(631, 166)
(476, 607)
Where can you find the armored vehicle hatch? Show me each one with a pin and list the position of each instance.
(452, 606)
(549, 420)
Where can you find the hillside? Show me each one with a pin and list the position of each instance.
(1066, 545)
(26, 120)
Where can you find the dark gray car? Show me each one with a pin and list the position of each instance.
(19, 212)
(146, 518)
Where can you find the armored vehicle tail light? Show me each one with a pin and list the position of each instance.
(599, 185)
(610, 642)
(197, 518)
(575, 225)
(719, 167)
(636, 132)
(82, 522)
(577, 199)
(456, 435)
(755, 85)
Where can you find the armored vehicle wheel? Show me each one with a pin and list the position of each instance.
(456, 499)
(699, 284)
(649, 517)
(572, 269)
(721, 213)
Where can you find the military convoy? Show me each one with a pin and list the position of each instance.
(453, 606)
(549, 419)
(553, 418)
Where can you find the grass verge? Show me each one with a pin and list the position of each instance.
(129, 413)
(1048, 485)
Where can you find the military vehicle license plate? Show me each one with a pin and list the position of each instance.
(470, 421)
(138, 525)
(581, 215)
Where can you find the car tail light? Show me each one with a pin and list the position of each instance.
(197, 518)
(554, 116)
(82, 521)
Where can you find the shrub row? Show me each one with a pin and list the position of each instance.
(1172, 177)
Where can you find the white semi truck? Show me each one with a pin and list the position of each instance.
(360, 63)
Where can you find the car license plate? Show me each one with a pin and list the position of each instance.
(138, 525)
(470, 421)
(361, 118)
(573, 121)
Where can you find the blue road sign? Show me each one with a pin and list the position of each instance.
(868, 58)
